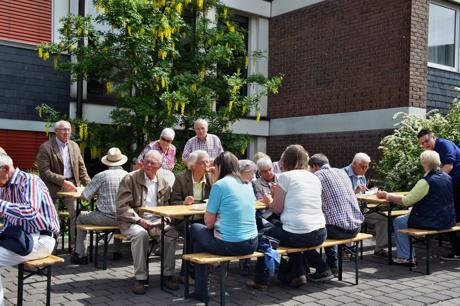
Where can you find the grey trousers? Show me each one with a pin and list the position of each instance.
(381, 230)
(71, 205)
(140, 246)
(96, 218)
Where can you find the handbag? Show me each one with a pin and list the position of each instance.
(17, 240)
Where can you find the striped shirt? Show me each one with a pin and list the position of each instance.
(340, 206)
(169, 157)
(26, 202)
(105, 184)
(212, 145)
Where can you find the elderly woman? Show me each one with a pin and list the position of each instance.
(230, 225)
(297, 198)
(247, 170)
(193, 185)
(432, 201)
(164, 146)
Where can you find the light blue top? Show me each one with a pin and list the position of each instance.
(234, 204)
(355, 179)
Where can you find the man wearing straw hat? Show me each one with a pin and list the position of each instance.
(105, 185)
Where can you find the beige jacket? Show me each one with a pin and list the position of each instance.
(132, 194)
(51, 166)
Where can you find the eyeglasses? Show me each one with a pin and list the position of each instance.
(166, 140)
(150, 163)
(63, 129)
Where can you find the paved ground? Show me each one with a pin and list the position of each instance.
(380, 284)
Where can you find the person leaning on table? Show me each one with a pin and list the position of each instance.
(230, 224)
(432, 201)
(146, 187)
(164, 146)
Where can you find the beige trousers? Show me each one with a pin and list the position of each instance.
(381, 230)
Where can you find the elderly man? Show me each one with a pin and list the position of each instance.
(146, 187)
(27, 208)
(356, 171)
(341, 209)
(105, 186)
(449, 154)
(193, 185)
(202, 141)
(164, 146)
(61, 167)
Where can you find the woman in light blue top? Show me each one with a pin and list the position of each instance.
(230, 224)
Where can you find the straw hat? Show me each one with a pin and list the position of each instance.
(114, 158)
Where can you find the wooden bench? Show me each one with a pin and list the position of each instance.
(418, 234)
(40, 267)
(106, 231)
(65, 224)
(212, 259)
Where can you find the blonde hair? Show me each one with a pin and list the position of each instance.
(430, 159)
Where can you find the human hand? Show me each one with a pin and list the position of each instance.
(360, 188)
(267, 199)
(189, 200)
(69, 186)
(274, 187)
(382, 194)
(147, 225)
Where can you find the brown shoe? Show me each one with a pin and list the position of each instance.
(171, 283)
(138, 287)
(252, 284)
(298, 281)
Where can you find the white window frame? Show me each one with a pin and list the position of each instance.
(457, 37)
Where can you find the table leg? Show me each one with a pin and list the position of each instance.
(187, 247)
(162, 252)
(390, 249)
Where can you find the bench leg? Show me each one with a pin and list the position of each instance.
(63, 222)
(340, 261)
(48, 286)
(20, 284)
(104, 259)
(411, 245)
(223, 271)
(428, 255)
(356, 261)
(91, 246)
(96, 250)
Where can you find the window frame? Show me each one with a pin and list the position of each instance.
(456, 8)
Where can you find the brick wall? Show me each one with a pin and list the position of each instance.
(343, 56)
(26, 81)
(441, 91)
(338, 147)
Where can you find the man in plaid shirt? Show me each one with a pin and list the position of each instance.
(202, 141)
(341, 210)
(105, 184)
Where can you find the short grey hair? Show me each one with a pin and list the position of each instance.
(5, 160)
(155, 155)
(431, 159)
(264, 163)
(168, 133)
(200, 120)
(247, 165)
(318, 159)
(60, 123)
(195, 157)
(361, 157)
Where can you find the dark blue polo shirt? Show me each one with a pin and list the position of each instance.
(449, 154)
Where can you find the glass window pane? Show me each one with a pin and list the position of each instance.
(441, 35)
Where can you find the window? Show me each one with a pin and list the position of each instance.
(443, 36)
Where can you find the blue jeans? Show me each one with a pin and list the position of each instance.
(203, 240)
(314, 259)
(402, 240)
(290, 240)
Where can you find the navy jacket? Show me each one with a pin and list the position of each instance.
(436, 210)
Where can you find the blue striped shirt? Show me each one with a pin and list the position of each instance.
(26, 202)
(340, 206)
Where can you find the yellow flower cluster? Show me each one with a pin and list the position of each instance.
(45, 55)
(83, 132)
(109, 87)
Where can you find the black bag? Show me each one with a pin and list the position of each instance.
(15, 239)
(285, 273)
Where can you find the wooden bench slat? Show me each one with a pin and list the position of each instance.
(423, 232)
(63, 214)
(397, 213)
(206, 258)
(97, 228)
(47, 261)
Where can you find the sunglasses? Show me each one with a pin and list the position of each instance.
(166, 140)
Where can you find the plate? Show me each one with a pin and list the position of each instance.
(199, 206)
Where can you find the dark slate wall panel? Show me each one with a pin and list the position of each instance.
(26, 81)
(441, 91)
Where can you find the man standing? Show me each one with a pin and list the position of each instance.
(105, 186)
(61, 167)
(450, 161)
(341, 210)
(146, 187)
(202, 141)
(356, 171)
(27, 208)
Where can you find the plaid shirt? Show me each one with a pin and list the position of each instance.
(169, 157)
(211, 145)
(105, 184)
(26, 202)
(340, 206)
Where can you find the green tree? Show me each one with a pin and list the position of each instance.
(167, 63)
(400, 165)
